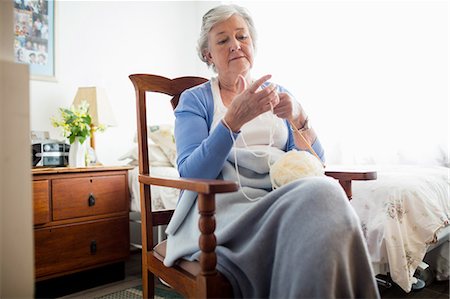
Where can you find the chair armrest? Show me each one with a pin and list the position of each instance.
(206, 190)
(198, 185)
(353, 175)
(345, 177)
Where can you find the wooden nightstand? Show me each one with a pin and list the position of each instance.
(80, 219)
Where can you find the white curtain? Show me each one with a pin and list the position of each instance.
(373, 76)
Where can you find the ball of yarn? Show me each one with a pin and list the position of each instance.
(294, 165)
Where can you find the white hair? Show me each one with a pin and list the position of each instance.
(217, 15)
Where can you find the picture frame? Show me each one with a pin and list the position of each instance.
(34, 37)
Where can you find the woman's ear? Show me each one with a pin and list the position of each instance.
(207, 56)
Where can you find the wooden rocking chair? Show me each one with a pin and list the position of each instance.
(191, 279)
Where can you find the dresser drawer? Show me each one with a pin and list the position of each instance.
(87, 196)
(79, 246)
(41, 202)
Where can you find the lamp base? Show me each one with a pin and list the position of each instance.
(93, 160)
(92, 139)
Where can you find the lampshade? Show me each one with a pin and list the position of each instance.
(99, 108)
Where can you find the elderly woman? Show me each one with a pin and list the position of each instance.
(300, 240)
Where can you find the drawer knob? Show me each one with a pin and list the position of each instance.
(93, 247)
(91, 200)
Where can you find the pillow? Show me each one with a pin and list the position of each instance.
(156, 156)
(163, 136)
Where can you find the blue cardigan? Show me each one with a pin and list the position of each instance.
(201, 153)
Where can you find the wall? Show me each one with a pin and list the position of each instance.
(101, 43)
(373, 75)
(16, 219)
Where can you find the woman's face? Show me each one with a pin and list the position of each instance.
(230, 47)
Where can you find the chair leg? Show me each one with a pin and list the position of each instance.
(145, 286)
(151, 285)
(148, 284)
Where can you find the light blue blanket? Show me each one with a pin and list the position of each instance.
(302, 240)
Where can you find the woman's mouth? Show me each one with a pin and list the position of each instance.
(236, 58)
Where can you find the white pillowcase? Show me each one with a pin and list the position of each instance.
(163, 136)
(156, 156)
(161, 147)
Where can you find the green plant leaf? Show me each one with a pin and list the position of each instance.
(76, 122)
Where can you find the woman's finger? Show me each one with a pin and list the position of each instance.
(255, 85)
(283, 112)
(267, 92)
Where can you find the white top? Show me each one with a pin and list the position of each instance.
(257, 133)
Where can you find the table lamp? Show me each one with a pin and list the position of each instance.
(99, 108)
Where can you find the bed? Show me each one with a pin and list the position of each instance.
(404, 213)
(162, 155)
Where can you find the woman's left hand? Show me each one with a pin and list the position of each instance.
(287, 108)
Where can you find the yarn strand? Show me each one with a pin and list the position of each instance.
(266, 154)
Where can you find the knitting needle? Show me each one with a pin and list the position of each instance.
(306, 142)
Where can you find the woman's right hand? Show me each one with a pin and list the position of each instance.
(249, 102)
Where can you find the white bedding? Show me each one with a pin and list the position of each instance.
(162, 158)
(401, 212)
(163, 198)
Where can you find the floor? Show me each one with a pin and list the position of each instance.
(436, 290)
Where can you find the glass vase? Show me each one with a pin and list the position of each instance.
(77, 153)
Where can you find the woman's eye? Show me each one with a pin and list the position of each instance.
(242, 37)
(222, 41)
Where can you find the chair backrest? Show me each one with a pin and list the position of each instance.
(144, 83)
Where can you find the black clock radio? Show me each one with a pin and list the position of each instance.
(50, 153)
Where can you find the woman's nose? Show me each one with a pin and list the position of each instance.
(235, 46)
